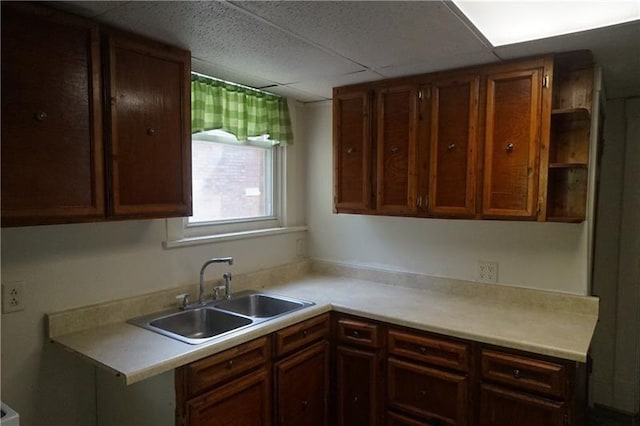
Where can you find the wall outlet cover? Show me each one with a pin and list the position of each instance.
(12, 297)
(487, 271)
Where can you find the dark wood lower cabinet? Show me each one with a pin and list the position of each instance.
(246, 401)
(431, 393)
(302, 387)
(504, 407)
(357, 387)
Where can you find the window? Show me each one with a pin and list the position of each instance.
(232, 181)
(238, 151)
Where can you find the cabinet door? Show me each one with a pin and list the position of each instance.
(502, 407)
(352, 151)
(246, 401)
(432, 394)
(51, 118)
(512, 143)
(302, 385)
(454, 126)
(357, 384)
(397, 155)
(150, 141)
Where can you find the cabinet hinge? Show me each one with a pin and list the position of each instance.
(419, 203)
(545, 81)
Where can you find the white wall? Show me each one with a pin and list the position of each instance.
(550, 256)
(67, 266)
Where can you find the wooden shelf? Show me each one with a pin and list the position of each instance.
(568, 165)
(574, 113)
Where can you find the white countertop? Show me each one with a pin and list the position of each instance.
(135, 353)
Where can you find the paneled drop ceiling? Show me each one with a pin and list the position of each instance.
(303, 49)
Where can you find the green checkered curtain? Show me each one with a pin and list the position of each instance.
(238, 110)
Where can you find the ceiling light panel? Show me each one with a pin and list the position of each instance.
(507, 21)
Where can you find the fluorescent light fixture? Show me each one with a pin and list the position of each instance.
(514, 21)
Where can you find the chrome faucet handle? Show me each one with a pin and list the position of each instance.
(185, 300)
(227, 285)
(217, 295)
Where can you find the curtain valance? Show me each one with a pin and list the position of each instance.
(238, 110)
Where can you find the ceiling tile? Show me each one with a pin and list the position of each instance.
(453, 61)
(223, 35)
(89, 9)
(324, 87)
(297, 94)
(218, 71)
(376, 34)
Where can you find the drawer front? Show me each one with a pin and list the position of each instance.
(211, 371)
(359, 332)
(394, 419)
(431, 350)
(524, 373)
(302, 334)
(432, 394)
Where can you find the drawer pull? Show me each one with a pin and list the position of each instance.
(151, 131)
(230, 364)
(395, 149)
(355, 333)
(355, 399)
(305, 404)
(305, 333)
(40, 116)
(422, 394)
(423, 350)
(516, 373)
(350, 150)
(509, 147)
(451, 146)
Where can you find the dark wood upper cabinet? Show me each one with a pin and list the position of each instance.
(512, 143)
(453, 146)
(396, 145)
(52, 152)
(352, 151)
(149, 145)
(66, 87)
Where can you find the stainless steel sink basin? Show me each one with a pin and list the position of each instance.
(261, 305)
(219, 318)
(193, 325)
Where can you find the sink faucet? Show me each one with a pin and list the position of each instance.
(228, 260)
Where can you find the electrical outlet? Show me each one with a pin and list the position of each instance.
(487, 271)
(12, 297)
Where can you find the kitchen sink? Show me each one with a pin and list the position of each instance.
(218, 318)
(257, 305)
(193, 325)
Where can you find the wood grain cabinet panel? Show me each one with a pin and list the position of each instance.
(435, 351)
(503, 407)
(428, 392)
(302, 387)
(150, 146)
(453, 141)
(397, 155)
(246, 401)
(52, 151)
(352, 151)
(512, 143)
(302, 334)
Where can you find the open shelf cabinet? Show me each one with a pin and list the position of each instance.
(568, 172)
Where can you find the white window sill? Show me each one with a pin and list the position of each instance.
(192, 241)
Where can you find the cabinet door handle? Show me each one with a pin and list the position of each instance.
(423, 350)
(516, 374)
(451, 146)
(40, 115)
(304, 333)
(395, 149)
(230, 364)
(355, 333)
(305, 403)
(151, 131)
(509, 147)
(350, 150)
